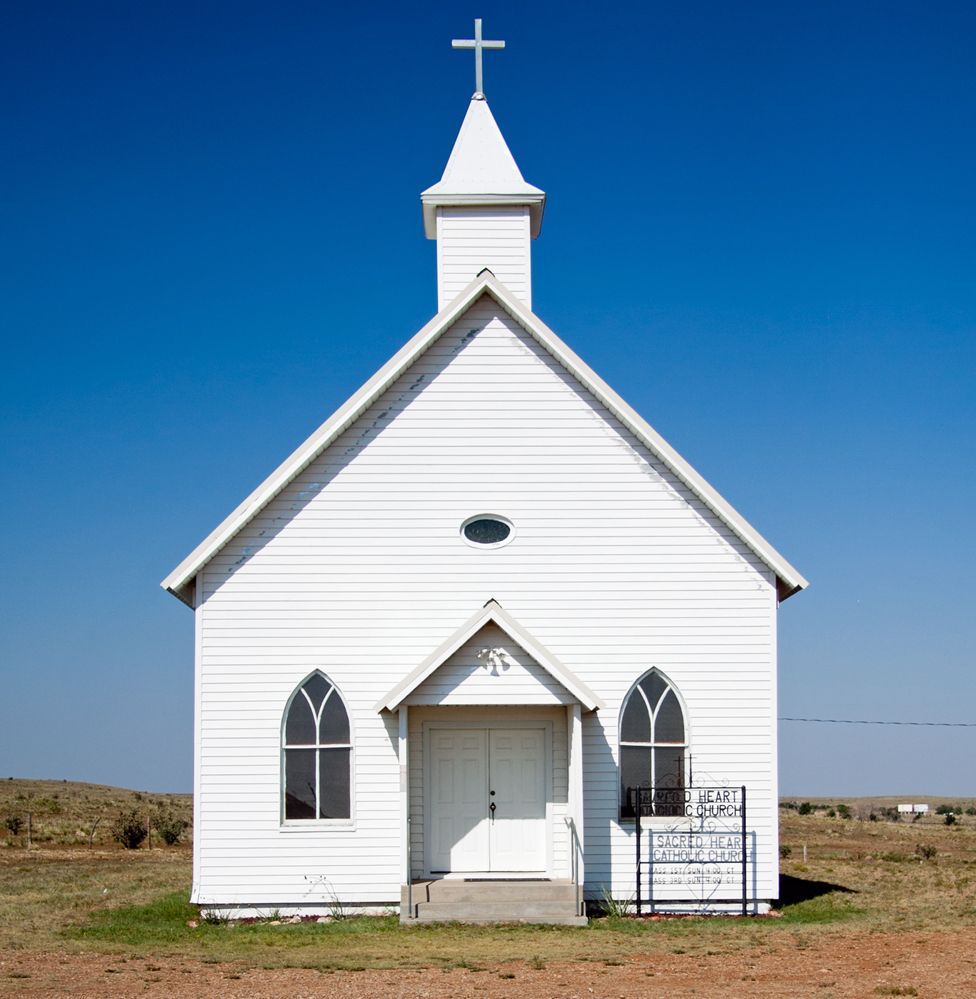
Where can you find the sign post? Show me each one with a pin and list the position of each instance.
(745, 871)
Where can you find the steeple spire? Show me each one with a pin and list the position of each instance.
(482, 212)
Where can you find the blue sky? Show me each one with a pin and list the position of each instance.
(760, 231)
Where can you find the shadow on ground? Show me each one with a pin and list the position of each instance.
(794, 890)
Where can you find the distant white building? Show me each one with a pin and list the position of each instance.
(913, 809)
(483, 599)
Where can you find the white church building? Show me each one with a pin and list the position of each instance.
(439, 645)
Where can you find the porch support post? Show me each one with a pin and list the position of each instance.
(574, 717)
(403, 748)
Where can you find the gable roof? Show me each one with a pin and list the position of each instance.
(180, 580)
(481, 171)
(492, 612)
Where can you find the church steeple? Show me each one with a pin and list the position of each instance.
(482, 212)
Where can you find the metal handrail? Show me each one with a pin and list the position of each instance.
(409, 871)
(577, 851)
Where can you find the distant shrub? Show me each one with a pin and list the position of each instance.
(971, 810)
(785, 851)
(13, 824)
(873, 817)
(831, 814)
(790, 806)
(169, 826)
(844, 811)
(925, 851)
(950, 819)
(891, 814)
(806, 808)
(129, 829)
(945, 810)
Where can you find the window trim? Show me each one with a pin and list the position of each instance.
(494, 544)
(314, 825)
(685, 746)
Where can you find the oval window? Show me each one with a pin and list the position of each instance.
(487, 530)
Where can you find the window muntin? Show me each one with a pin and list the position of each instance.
(317, 753)
(653, 746)
(487, 530)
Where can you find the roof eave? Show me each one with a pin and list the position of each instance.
(313, 445)
(789, 579)
(431, 200)
(184, 593)
(785, 588)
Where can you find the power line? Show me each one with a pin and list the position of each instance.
(863, 721)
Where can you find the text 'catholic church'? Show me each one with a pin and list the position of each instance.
(485, 642)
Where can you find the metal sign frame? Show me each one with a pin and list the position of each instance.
(680, 803)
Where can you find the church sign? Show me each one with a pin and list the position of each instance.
(705, 843)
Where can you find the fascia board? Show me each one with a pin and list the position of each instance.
(320, 439)
(529, 196)
(491, 613)
(707, 493)
(431, 202)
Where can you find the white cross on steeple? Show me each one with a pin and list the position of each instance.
(478, 44)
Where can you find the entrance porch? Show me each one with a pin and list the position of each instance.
(491, 779)
(468, 860)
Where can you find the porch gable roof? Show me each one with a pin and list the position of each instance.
(492, 612)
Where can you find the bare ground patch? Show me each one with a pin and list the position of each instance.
(934, 964)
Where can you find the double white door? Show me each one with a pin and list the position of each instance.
(487, 793)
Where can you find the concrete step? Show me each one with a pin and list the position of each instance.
(495, 891)
(491, 901)
(491, 920)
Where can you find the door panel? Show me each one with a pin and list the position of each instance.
(516, 768)
(458, 807)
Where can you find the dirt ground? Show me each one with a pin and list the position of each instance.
(927, 964)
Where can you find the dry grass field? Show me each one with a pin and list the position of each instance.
(878, 908)
(64, 813)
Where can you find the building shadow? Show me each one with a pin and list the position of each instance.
(795, 890)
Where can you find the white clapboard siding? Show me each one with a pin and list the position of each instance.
(358, 569)
(472, 239)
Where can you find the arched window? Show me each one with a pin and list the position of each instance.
(317, 752)
(653, 746)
